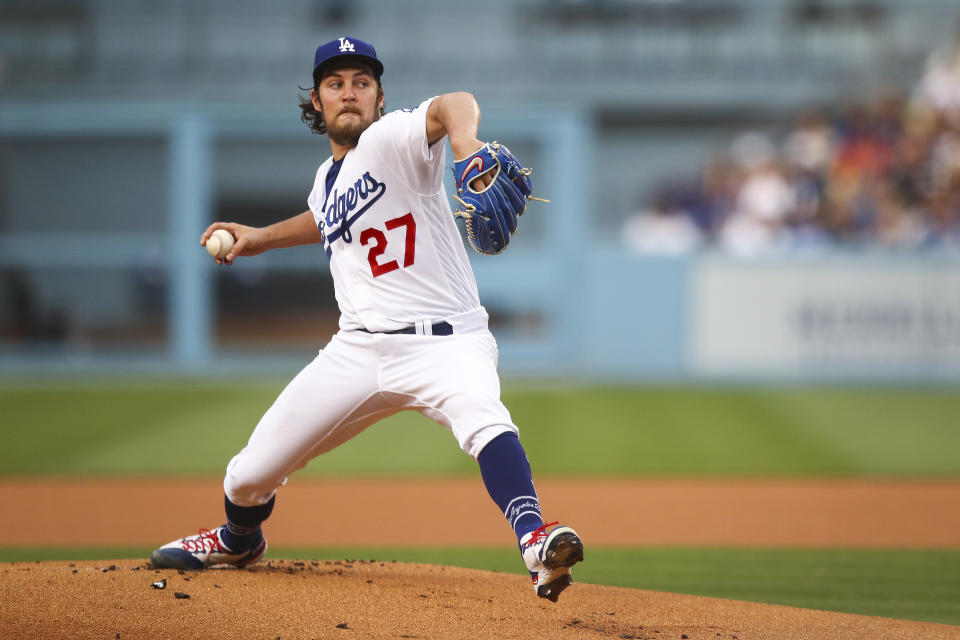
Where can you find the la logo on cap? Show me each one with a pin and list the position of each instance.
(346, 45)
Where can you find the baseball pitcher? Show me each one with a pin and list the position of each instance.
(413, 334)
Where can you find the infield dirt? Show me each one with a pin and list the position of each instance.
(305, 600)
(363, 599)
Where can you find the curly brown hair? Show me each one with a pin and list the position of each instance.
(314, 119)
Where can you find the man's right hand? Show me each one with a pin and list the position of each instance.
(248, 241)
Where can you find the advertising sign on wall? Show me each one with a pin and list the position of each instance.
(858, 317)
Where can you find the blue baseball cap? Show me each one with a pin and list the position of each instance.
(344, 48)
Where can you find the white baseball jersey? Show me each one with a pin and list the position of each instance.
(398, 262)
(395, 251)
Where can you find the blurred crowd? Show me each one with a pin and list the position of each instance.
(883, 173)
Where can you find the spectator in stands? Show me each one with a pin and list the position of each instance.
(711, 199)
(894, 225)
(808, 152)
(945, 156)
(809, 148)
(885, 173)
(664, 228)
(940, 85)
(943, 230)
(910, 170)
(765, 200)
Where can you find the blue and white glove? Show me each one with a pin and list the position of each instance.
(491, 214)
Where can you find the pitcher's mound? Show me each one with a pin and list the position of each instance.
(369, 599)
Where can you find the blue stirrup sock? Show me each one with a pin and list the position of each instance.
(506, 474)
(243, 524)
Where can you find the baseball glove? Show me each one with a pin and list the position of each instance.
(491, 214)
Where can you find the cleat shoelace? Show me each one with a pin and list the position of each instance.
(539, 534)
(205, 540)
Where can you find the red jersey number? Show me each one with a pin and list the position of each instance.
(379, 239)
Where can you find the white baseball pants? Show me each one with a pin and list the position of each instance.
(360, 378)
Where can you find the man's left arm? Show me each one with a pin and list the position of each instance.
(492, 186)
(457, 116)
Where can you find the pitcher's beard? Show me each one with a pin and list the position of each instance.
(348, 135)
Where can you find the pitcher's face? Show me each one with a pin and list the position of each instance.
(349, 100)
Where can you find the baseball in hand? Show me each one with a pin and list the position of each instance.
(220, 243)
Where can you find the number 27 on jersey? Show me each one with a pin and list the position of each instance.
(379, 240)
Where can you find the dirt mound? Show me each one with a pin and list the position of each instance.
(369, 599)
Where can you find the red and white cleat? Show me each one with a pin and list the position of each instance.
(204, 550)
(549, 556)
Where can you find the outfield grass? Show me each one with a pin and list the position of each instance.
(912, 585)
(166, 427)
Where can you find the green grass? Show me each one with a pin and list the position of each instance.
(913, 585)
(168, 428)
(185, 427)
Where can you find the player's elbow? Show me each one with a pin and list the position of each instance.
(460, 97)
(454, 114)
(458, 106)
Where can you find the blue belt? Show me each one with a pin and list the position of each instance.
(442, 328)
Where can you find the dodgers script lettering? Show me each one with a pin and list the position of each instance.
(339, 214)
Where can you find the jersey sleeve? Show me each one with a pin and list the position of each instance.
(403, 137)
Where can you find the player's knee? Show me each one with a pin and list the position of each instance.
(248, 485)
(476, 440)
